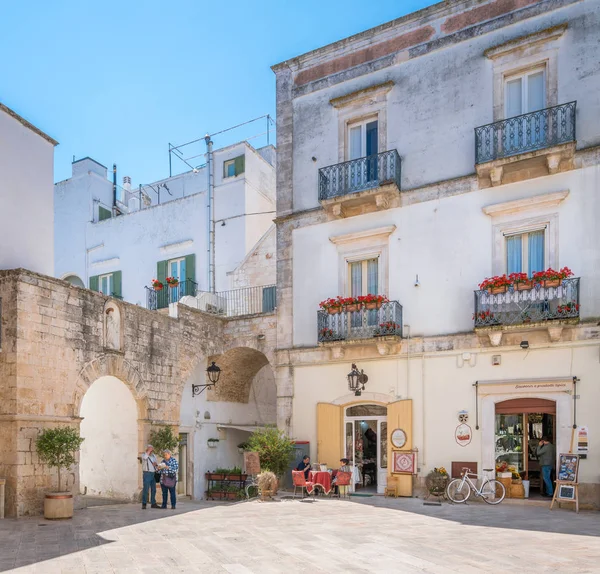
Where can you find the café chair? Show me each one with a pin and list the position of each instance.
(300, 482)
(343, 481)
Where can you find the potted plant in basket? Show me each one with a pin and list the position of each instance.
(495, 285)
(373, 301)
(437, 481)
(275, 450)
(552, 278)
(387, 328)
(172, 281)
(157, 285)
(57, 447)
(520, 281)
(332, 306)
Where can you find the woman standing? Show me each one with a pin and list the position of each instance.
(168, 478)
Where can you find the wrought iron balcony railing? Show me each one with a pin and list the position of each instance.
(361, 324)
(528, 132)
(160, 298)
(359, 175)
(529, 306)
(237, 302)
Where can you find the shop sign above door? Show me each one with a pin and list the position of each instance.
(526, 386)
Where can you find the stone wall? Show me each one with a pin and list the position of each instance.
(54, 348)
(258, 268)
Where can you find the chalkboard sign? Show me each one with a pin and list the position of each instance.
(566, 492)
(568, 467)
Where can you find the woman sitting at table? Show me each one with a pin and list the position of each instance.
(344, 468)
(304, 466)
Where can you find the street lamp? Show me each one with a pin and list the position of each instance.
(357, 380)
(213, 372)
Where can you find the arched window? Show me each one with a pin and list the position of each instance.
(74, 280)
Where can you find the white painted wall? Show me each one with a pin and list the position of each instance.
(259, 411)
(133, 243)
(108, 460)
(439, 99)
(440, 388)
(26, 198)
(448, 244)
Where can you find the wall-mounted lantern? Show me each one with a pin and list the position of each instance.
(213, 372)
(357, 380)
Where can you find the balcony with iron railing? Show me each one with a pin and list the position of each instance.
(537, 307)
(162, 297)
(540, 142)
(361, 185)
(357, 323)
(234, 303)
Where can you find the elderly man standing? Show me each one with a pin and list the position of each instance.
(149, 467)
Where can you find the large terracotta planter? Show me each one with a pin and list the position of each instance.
(58, 505)
(552, 282)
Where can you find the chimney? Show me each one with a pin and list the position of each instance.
(127, 183)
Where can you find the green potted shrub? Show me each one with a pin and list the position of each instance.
(163, 438)
(57, 447)
(275, 450)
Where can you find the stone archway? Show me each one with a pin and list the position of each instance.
(108, 465)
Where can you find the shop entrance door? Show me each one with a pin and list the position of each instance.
(366, 444)
(520, 424)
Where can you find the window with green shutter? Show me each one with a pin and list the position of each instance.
(162, 296)
(240, 164)
(103, 213)
(94, 282)
(117, 289)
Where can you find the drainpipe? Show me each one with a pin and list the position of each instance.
(407, 327)
(114, 202)
(211, 214)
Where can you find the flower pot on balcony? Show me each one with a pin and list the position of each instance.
(158, 288)
(373, 305)
(352, 308)
(173, 285)
(524, 285)
(334, 310)
(552, 282)
(496, 290)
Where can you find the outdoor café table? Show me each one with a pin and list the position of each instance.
(320, 478)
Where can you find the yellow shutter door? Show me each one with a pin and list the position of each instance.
(399, 416)
(329, 434)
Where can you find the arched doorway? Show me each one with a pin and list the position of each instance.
(74, 280)
(365, 440)
(108, 464)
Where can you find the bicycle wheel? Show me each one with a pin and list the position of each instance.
(493, 492)
(251, 491)
(458, 491)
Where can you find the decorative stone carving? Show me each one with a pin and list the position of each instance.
(495, 338)
(337, 352)
(496, 175)
(553, 162)
(555, 332)
(112, 327)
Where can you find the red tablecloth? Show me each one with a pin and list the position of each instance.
(320, 478)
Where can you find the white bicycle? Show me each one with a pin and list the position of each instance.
(492, 491)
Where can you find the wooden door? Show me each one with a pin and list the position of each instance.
(399, 416)
(329, 434)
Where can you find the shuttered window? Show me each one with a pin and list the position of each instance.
(103, 213)
(234, 167)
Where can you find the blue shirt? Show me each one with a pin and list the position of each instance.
(172, 466)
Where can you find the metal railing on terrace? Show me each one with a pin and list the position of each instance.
(527, 132)
(361, 324)
(237, 302)
(533, 305)
(160, 298)
(359, 175)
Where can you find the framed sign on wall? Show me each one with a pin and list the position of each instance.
(404, 462)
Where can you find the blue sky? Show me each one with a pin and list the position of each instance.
(119, 80)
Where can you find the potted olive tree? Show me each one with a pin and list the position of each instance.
(275, 450)
(57, 447)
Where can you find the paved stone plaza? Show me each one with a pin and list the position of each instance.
(362, 535)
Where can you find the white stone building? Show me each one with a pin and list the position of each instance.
(416, 159)
(118, 241)
(26, 203)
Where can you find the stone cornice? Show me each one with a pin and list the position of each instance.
(369, 233)
(535, 202)
(547, 35)
(360, 95)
